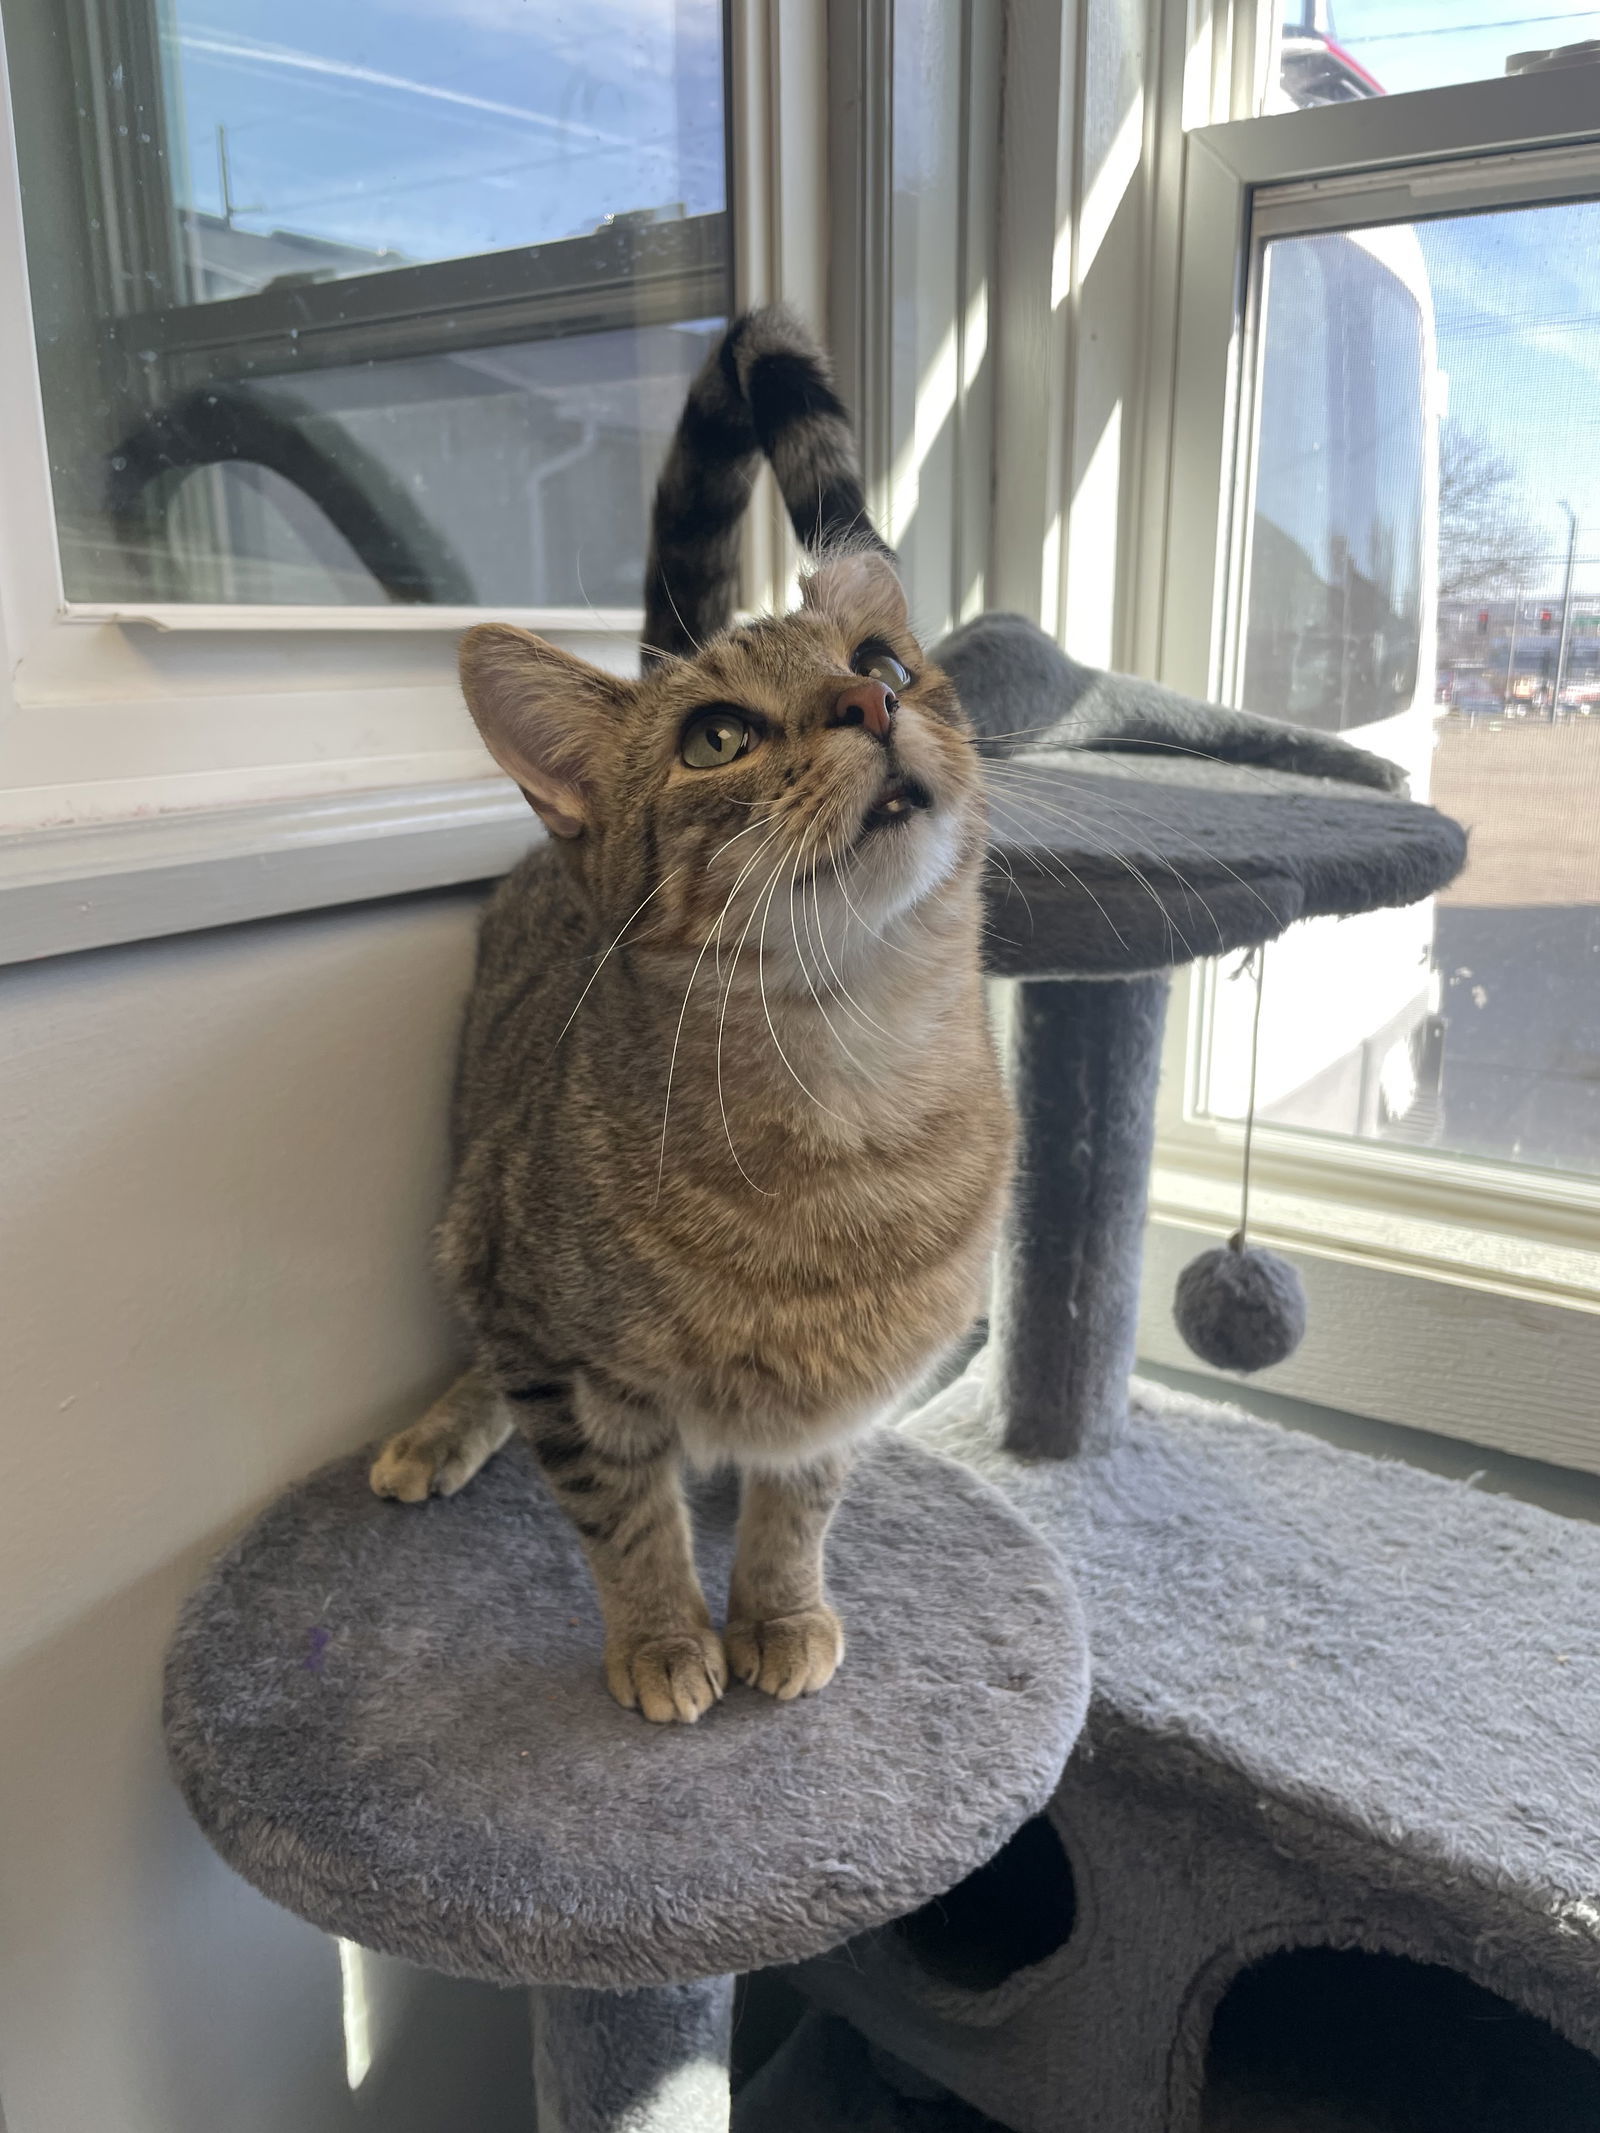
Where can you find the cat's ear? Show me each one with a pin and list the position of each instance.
(550, 721)
(860, 589)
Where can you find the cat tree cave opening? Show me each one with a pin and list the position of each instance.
(1356, 2042)
(1008, 1916)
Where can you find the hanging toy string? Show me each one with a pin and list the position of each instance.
(1238, 1307)
(1256, 964)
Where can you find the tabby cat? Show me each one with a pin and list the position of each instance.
(731, 1144)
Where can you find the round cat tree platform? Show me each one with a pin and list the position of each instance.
(392, 1720)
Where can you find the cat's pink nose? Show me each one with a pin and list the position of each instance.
(870, 704)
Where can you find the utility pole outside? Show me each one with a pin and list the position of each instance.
(1511, 648)
(1566, 610)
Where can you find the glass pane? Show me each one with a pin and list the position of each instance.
(1338, 51)
(1335, 606)
(395, 300)
(1423, 574)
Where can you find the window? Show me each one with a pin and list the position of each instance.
(323, 331)
(383, 302)
(1333, 602)
(1426, 398)
(1342, 51)
(1353, 479)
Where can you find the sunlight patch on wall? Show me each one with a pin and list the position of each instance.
(355, 2013)
(935, 401)
(1091, 587)
(1109, 186)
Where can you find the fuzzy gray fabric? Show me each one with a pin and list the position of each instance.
(826, 2078)
(391, 1719)
(1084, 1058)
(654, 2060)
(1135, 829)
(1101, 866)
(1337, 1702)
(1022, 691)
(1240, 1308)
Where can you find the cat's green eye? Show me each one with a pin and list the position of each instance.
(714, 737)
(875, 662)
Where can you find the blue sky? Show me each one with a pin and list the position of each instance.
(1517, 299)
(1517, 295)
(436, 128)
(1422, 44)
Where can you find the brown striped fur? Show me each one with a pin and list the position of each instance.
(731, 1143)
(767, 389)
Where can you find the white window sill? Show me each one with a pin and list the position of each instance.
(99, 884)
(1455, 1326)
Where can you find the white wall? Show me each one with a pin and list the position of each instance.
(219, 1161)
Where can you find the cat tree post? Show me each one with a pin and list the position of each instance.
(1111, 864)
(649, 2061)
(1085, 1060)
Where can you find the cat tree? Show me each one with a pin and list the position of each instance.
(1335, 1701)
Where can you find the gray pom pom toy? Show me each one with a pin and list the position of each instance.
(1240, 1308)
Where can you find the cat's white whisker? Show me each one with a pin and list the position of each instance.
(606, 957)
(677, 1035)
(761, 986)
(811, 985)
(722, 1023)
(841, 987)
(1047, 802)
(1057, 867)
(1053, 810)
(1138, 814)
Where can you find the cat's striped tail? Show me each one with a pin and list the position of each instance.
(765, 389)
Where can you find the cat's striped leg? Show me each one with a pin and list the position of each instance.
(612, 1461)
(442, 1452)
(782, 1635)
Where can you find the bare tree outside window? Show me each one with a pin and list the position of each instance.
(1488, 540)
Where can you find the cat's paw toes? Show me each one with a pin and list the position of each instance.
(678, 1675)
(789, 1655)
(419, 1463)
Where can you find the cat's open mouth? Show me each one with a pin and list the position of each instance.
(901, 798)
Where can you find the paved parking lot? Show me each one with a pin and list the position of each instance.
(1517, 942)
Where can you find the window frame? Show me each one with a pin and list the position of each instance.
(1446, 1292)
(129, 729)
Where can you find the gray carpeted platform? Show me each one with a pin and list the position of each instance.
(1338, 1702)
(392, 1720)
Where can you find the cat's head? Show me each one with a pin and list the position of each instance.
(817, 755)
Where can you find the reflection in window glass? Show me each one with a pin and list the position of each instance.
(315, 141)
(1335, 597)
(395, 300)
(1341, 51)
(1423, 573)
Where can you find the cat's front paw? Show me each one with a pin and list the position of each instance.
(677, 1675)
(424, 1461)
(788, 1655)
